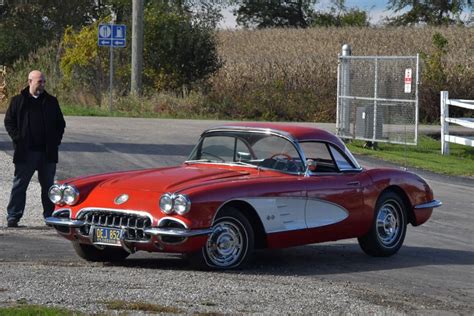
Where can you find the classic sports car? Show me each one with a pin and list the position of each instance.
(244, 186)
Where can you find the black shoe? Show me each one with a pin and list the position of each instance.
(12, 224)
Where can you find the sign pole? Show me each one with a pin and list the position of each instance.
(111, 68)
(112, 35)
(111, 76)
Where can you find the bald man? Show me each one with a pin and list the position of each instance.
(36, 125)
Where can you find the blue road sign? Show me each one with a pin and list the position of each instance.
(118, 34)
(105, 34)
(112, 35)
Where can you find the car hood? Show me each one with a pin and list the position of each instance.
(170, 179)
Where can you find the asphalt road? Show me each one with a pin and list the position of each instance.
(433, 272)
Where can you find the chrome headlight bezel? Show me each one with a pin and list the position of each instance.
(70, 194)
(55, 194)
(63, 194)
(181, 204)
(174, 203)
(166, 203)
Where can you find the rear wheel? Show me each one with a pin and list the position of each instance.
(388, 228)
(107, 254)
(231, 241)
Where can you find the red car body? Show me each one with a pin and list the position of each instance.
(245, 186)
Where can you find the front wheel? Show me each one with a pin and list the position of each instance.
(388, 228)
(231, 241)
(107, 254)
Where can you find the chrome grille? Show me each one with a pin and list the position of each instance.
(132, 224)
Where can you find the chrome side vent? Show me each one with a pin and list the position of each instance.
(169, 223)
(65, 213)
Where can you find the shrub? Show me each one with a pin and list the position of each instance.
(44, 59)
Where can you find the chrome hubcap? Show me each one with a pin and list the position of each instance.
(388, 223)
(225, 244)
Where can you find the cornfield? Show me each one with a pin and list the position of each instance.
(291, 74)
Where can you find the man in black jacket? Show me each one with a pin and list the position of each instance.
(36, 125)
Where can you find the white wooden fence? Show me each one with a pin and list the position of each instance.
(463, 121)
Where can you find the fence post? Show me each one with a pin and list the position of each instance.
(444, 125)
(346, 89)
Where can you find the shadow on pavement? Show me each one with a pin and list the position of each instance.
(319, 260)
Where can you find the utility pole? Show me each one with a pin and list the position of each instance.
(137, 47)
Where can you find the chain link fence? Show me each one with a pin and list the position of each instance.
(377, 98)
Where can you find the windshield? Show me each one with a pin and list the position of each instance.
(248, 148)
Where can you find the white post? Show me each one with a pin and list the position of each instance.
(444, 125)
(376, 82)
(417, 105)
(346, 89)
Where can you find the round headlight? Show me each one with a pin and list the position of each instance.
(166, 203)
(70, 195)
(182, 204)
(55, 194)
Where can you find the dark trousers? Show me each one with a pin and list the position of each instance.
(36, 161)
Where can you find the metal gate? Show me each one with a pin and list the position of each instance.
(377, 98)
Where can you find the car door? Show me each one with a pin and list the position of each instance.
(334, 192)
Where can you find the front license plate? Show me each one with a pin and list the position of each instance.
(109, 236)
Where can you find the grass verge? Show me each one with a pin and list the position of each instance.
(35, 310)
(426, 155)
(77, 110)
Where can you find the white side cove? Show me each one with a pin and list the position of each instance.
(286, 214)
(321, 213)
(280, 214)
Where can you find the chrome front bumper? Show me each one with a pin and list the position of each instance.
(155, 231)
(65, 222)
(177, 232)
(432, 204)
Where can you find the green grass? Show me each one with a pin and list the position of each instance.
(426, 155)
(23, 309)
(34, 310)
(78, 110)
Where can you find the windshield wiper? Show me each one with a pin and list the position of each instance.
(244, 164)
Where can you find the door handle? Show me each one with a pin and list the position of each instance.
(353, 183)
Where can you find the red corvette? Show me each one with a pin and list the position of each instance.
(244, 186)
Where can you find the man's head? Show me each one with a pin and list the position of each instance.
(36, 81)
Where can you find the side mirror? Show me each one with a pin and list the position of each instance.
(310, 166)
